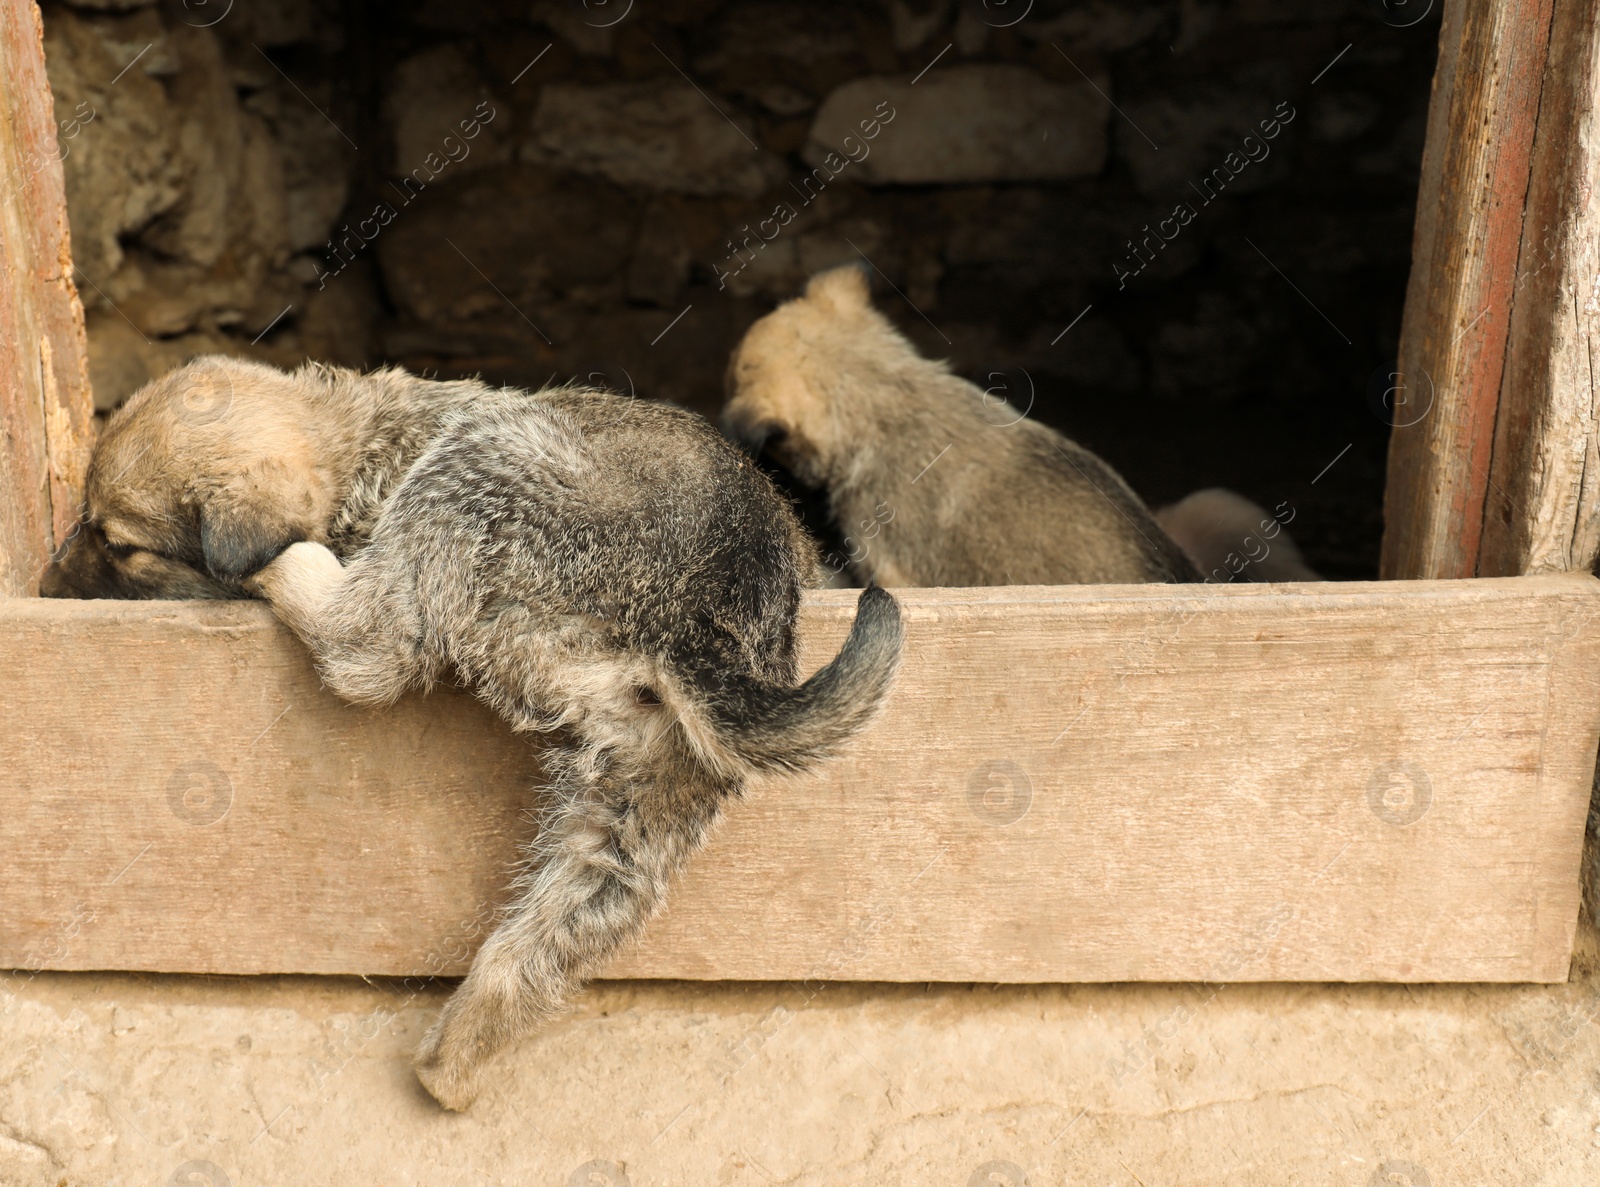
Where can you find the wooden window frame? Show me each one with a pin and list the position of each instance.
(1362, 781)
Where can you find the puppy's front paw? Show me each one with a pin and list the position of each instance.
(451, 1082)
(300, 575)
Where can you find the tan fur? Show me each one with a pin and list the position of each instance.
(1229, 538)
(932, 480)
(208, 472)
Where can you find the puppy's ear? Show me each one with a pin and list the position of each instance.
(238, 538)
(248, 520)
(846, 288)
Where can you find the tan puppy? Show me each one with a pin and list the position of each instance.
(932, 480)
(212, 470)
(1229, 538)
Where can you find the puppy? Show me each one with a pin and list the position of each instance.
(209, 472)
(932, 480)
(1230, 538)
(613, 573)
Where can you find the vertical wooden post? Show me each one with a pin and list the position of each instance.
(1492, 461)
(46, 415)
(1463, 274)
(1542, 512)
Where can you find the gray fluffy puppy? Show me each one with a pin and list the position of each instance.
(613, 573)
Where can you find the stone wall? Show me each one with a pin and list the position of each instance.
(198, 175)
(1215, 197)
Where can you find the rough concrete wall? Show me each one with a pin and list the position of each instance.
(233, 1082)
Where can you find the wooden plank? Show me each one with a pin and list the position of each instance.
(46, 413)
(1543, 502)
(1458, 311)
(1071, 784)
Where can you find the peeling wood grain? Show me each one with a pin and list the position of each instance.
(46, 415)
(1543, 502)
(1494, 465)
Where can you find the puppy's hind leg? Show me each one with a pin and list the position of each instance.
(600, 875)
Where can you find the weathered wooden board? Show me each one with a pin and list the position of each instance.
(1323, 782)
(1542, 507)
(1463, 273)
(45, 408)
(1492, 462)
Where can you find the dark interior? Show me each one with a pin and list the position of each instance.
(1246, 346)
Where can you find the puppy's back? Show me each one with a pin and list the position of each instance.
(611, 510)
(1097, 530)
(932, 480)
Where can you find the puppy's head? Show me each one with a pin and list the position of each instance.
(203, 477)
(790, 381)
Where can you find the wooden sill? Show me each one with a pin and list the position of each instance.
(1333, 782)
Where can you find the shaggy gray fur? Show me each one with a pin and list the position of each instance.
(612, 573)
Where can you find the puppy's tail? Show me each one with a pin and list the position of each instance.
(766, 727)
